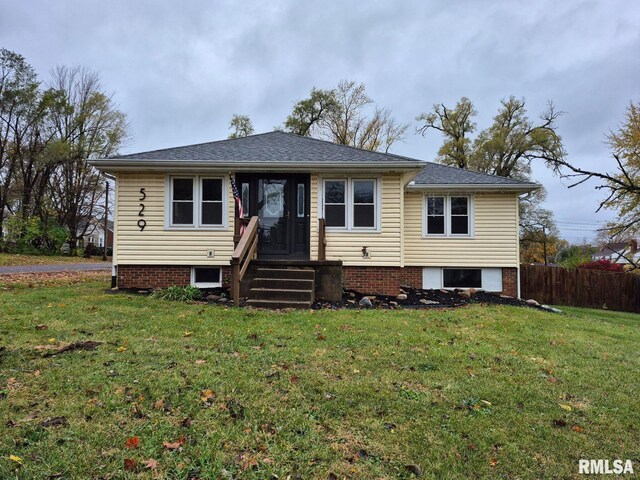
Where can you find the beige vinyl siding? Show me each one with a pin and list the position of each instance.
(384, 246)
(157, 245)
(494, 242)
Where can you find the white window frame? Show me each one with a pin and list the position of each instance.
(447, 216)
(197, 203)
(201, 180)
(205, 284)
(348, 194)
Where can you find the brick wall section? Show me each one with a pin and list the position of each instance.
(510, 281)
(159, 276)
(381, 280)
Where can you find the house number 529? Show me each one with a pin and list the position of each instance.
(142, 222)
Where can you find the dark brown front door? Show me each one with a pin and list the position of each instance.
(281, 203)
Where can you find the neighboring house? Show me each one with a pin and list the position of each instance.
(95, 234)
(619, 252)
(368, 221)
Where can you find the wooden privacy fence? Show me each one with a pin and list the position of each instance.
(578, 287)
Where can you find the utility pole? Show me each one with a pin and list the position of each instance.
(106, 221)
(544, 243)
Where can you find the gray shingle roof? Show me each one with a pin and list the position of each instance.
(436, 174)
(269, 147)
(291, 151)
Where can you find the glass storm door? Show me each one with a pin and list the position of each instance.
(281, 203)
(273, 212)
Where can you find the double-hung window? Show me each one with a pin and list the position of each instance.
(211, 201)
(182, 200)
(335, 203)
(196, 202)
(448, 215)
(351, 203)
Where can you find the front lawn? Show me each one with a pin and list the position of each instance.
(16, 259)
(198, 391)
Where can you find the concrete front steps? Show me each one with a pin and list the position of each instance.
(282, 287)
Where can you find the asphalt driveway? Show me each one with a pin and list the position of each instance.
(67, 267)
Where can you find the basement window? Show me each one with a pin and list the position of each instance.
(206, 277)
(462, 277)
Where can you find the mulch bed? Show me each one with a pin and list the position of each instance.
(415, 299)
(418, 298)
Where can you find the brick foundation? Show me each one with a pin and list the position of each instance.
(381, 280)
(510, 281)
(160, 276)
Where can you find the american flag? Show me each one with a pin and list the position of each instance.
(238, 199)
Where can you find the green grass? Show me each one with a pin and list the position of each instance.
(14, 259)
(471, 392)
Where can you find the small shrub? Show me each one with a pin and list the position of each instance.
(91, 250)
(179, 294)
(604, 265)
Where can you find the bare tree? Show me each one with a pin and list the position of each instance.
(456, 125)
(88, 125)
(348, 116)
(621, 181)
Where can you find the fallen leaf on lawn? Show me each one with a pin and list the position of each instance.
(130, 465)
(37, 373)
(132, 442)
(294, 379)
(493, 462)
(207, 396)
(187, 334)
(486, 402)
(151, 464)
(42, 326)
(559, 423)
(122, 349)
(577, 428)
(54, 422)
(186, 422)
(320, 336)
(355, 370)
(52, 340)
(245, 461)
(566, 407)
(15, 458)
(552, 380)
(175, 445)
(200, 362)
(470, 372)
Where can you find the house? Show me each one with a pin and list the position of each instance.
(619, 252)
(318, 216)
(95, 233)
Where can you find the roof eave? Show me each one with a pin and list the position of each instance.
(118, 165)
(524, 187)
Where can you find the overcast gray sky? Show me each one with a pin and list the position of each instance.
(180, 69)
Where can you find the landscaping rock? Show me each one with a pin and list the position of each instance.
(393, 304)
(531, 301)
(402, 296)
(551, 309)
(464, 293)
(212, 298)
(365, 302)
(424, 301)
